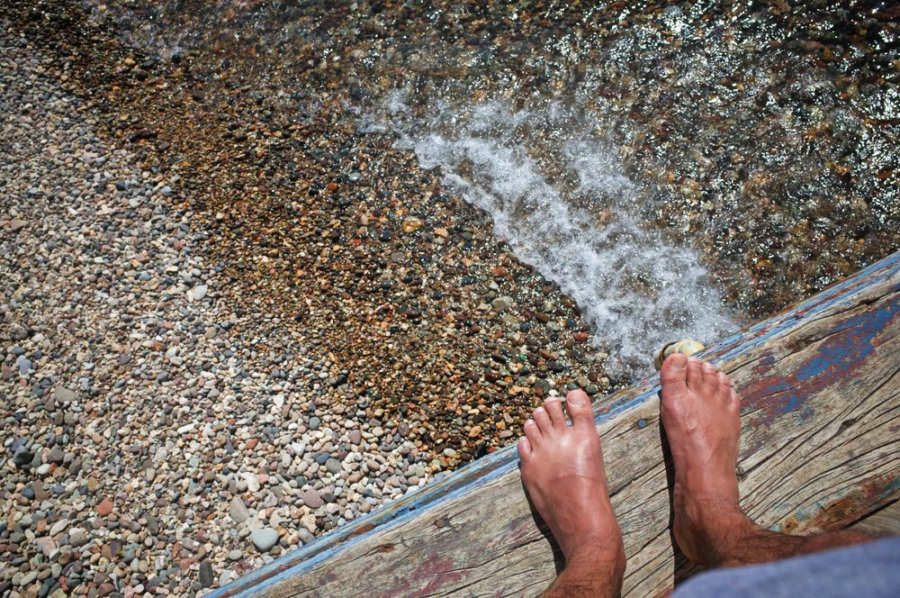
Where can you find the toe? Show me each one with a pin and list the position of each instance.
(542, 419)
(724, 380)
(524, 448)
(532, 434)
(554, 408)
(579, 407)
(724, 387)
(710, 376)
(694, 374)
(735, 400)
(674, 372)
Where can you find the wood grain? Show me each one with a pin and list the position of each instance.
(820, 449)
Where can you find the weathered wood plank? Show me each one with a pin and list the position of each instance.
(820, 448)
(883, 522)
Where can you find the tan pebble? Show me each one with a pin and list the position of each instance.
(687, 346)
(412, 224)
(309, 522)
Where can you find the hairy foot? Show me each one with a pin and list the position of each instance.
(562, 470)
(700, 414)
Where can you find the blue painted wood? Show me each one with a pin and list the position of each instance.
(478, 473)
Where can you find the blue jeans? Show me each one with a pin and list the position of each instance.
(869, 570)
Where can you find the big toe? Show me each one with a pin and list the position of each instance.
(579, 407)
(674, 374)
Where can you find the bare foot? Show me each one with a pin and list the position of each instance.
(562, 470)
(700, 414)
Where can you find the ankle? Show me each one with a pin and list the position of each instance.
(726, 542)
(600, 552)
(713, 537)
(592, 570)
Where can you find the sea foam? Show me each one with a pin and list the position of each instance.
(558, 195)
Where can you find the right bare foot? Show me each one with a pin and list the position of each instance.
(700, 414)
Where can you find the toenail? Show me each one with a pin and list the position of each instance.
(577, 399)
(679, 361)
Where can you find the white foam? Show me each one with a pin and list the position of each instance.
(636, 291)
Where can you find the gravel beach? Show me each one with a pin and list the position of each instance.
(232, 319)
(169, 422)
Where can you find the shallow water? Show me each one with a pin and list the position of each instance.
(678, 169)
(557, 194)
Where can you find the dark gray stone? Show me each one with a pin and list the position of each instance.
(206, 574)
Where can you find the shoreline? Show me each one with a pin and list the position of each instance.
(241, 314)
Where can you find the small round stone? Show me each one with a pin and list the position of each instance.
(264, 538)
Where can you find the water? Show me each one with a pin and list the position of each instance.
(678, 169)
(559, 197)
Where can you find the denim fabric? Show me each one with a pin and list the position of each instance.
(869, 570)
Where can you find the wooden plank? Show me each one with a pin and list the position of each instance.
(820, 449)
(883, 522)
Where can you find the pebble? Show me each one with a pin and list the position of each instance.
(198, 292)
(105, 507)
(78, 537)
(252, 481)
(412, 224)
(312, 499)
(206, 574)
(22, 458)
(64, 395)
(238, 510)
(24, 364)
(264, 538)
(56, 456)
(503, 303)
(59, 527)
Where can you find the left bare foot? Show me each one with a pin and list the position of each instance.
(562, 470)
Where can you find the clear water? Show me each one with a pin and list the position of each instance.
(559, 197)
(658, 161)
